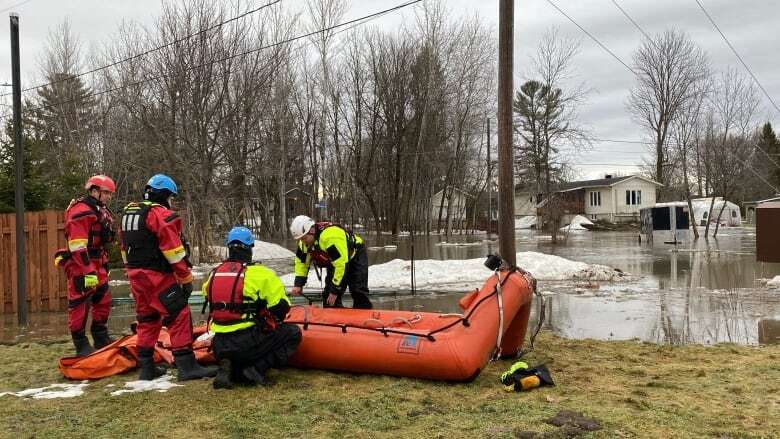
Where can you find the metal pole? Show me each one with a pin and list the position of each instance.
(506, 199)
(21, 281)
(489, 188)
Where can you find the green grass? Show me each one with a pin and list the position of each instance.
(632, 389)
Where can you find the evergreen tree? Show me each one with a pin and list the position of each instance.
(769, 143)
(36, 190)
(64, 122)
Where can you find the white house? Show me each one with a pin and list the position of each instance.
(615, 199)
(458, 208)
(525, 203)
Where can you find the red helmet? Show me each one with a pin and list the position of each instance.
(102, 182)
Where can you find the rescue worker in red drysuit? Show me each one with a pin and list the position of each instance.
(153, 249)
(88, 231)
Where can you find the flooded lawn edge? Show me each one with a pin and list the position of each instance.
(629, 388)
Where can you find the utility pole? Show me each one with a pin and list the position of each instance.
(489, 188)
(506, 197)
(21, 281)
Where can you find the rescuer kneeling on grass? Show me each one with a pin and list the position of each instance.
(247, 306)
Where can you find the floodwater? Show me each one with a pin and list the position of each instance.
(704, 292)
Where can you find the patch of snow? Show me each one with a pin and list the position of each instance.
(576, 224)
(391, 247)
(261, 251)
(457, 244)
(395, 274)
(52, 391)
(774, 282)
(525, 222)
(114, 283)
(161, 384)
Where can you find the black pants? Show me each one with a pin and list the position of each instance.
(251, 347)
(356, 278)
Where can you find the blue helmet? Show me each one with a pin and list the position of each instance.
(240, 234)
(162, 182)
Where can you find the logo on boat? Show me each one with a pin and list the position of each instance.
(410, 344)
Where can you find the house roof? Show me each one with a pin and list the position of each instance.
(602, 182)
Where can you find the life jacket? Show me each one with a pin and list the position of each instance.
(226, 301)
(319, 256)
(141, 245)
(102, 231)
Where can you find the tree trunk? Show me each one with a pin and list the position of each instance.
(709, 217)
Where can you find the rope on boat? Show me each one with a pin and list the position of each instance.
(386, 331)
(497, 352)
(541, 317)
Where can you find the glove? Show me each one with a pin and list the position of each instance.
(85, 283)
(187, 288)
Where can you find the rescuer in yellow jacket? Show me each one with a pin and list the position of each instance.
(247, 306)
(336, 249)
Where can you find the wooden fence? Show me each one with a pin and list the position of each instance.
(46, 288)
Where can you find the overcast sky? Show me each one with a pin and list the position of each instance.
(750, 25)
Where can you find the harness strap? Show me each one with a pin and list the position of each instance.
(500, 298)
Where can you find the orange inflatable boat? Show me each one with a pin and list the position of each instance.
(452, 347)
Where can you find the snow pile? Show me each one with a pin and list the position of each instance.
(161, 384)
(261, 251)
(51, 392)
(576, 224)
(457, 244)
(396, 273)
(525, 222)
(774, 282)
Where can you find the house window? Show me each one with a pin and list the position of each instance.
(595, 198)
(633, 198)
(733, 213)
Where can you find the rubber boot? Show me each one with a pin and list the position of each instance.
(81, 342)
(255, 376)
(223, 378)
(148, 371)
(100, 335)
(188, 367)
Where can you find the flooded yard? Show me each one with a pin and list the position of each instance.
(705, 292)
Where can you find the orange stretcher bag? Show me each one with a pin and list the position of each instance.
(122, 356)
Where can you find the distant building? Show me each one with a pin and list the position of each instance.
(750, 208)
(615, 199)
(457, 209)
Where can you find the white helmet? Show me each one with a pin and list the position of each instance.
(300, 226)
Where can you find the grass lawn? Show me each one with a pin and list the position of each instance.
(630, 389)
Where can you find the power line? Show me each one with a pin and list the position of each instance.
(592, 37)
(200, 32)
(364, 19)
(738, 56)
(632, 20)
(641, 30)
(15, 6)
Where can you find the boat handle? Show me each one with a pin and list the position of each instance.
(460, 316)
(403, 320)
(381, 323)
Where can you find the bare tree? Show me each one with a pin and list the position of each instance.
(686, 133)
(668, 68)
(547, 119)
